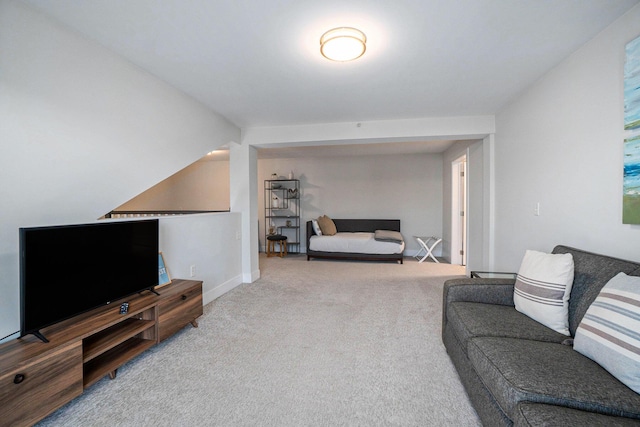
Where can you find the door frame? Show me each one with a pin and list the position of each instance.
(459, 210)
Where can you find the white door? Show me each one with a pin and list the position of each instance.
(463, 211)
(459, 210)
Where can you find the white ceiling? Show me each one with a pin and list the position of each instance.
(257, 62)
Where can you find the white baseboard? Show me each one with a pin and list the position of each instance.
(252, 277)
(221, 289)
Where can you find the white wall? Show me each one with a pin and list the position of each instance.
(208, 242)
(243, 164)
(423, 129)
(82, 131)
(203, 185)
(478, 208)
(560, 144)
(456, 150)
(405, 187)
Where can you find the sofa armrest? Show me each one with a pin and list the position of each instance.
(488, 291)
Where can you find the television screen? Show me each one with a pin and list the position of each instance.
(68, 270)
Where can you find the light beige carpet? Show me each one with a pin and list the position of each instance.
(312, 343)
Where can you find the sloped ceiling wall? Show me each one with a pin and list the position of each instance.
(82, 131)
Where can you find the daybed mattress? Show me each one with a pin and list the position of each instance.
(361, 243)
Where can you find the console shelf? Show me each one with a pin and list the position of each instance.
(37, 378)
(109, 362)
(97, 344)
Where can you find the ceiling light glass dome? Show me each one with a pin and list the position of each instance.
(343, 44)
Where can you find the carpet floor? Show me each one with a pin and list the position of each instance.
(311, 343)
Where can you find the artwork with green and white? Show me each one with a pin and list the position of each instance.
(631, 163)
(632, 85)
(631, 181)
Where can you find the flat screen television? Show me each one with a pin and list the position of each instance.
(68, 270)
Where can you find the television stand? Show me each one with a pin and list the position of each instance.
(37, 379)
(41, 337)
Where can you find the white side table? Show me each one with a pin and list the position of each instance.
(427, 245)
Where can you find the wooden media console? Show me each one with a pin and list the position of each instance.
(37, 378)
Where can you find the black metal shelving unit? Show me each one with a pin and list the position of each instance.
(282, 211)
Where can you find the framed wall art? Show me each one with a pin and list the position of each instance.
(163, 273)
(631, 162)
(632, 85)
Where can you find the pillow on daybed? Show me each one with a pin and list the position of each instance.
(327, 225)
(608, 333)
(542, 289)
(316, 227)
(388, 236)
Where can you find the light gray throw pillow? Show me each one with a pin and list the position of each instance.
(542, 289)
(388, 236)
(608, 333)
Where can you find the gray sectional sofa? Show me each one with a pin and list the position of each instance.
(517, 371)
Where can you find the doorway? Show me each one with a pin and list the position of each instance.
(459, 211)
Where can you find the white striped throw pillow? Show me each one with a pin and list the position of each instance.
(609, 332)
(542, 289)
(316, 227)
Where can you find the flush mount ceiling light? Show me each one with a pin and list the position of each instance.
(343, 44)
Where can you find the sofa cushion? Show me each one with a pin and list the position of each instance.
(327, 226)
(610, 330)
(537, 414)
(519, 370)
(474, 319)
(591, 273)
(542, 289)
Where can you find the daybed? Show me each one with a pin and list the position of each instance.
(356, 226)
(517, 371)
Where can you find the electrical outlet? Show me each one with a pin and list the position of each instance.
(238, 235)
(536, 210)
(193, 271)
